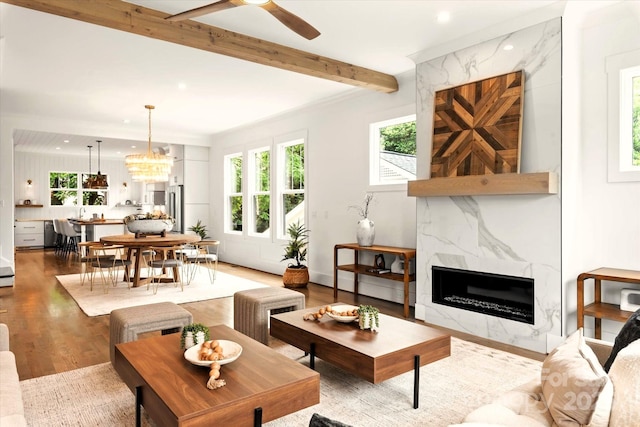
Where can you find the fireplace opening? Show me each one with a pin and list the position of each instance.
(509, 297)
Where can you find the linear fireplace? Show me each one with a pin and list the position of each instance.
(509, 297)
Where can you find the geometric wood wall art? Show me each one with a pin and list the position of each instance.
(477, 127)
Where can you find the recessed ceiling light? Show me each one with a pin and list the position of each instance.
(66, 141)
(508, 47)
(133, 146)
(444, 16)
(126, 121)
(182, 86)
(57, 148)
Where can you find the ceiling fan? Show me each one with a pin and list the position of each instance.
(292, 21)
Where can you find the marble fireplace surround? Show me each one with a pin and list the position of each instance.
(509, 234)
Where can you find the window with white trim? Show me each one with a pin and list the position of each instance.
(260, 191)
(392, 151)
(623, 78)
(291, 184)
(234, 197)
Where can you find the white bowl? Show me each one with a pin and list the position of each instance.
(231, 351)
(147, 226)
(341, 308)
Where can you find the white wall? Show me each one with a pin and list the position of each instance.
(607, 214)
(338, 169)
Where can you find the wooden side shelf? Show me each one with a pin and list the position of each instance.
(499, 184)
(362, 269)
(359, 269)
(601, 310)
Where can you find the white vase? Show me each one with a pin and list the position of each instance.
(366, 322)
(188, 340)
(397, 266)
(366, 232)
(199, 337)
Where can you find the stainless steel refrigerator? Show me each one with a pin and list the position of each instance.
(175, 206)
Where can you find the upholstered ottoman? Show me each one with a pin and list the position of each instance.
(126, 323)
(251, 309)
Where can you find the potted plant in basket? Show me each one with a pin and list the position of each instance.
(296, 274)
(368, 317)
(192, 334)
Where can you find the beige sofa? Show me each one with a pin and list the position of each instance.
(573, 390)
(11, 408)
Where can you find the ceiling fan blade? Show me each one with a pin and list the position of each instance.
(292, 21)
(203, 10)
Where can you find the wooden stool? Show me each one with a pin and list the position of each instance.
(126, 323)
(251, 309)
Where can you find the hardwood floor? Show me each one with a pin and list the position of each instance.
(50, 334)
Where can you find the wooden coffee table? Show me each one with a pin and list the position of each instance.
(398, 346)
(262, 385)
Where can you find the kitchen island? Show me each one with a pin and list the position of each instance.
(94, 229)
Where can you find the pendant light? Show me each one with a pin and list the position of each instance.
(100, 181)
(150, 167)
(88, 182)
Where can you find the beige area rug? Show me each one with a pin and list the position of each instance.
(449, 389)
(96, 302)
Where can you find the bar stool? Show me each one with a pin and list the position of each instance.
(60, 238)
(72, 237)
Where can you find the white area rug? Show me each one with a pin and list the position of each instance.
(449, 389)
(96, 302)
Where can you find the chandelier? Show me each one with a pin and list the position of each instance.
(150, 167)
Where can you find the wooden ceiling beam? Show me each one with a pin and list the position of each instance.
(147, 22)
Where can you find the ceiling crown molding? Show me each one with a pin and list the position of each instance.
(147, 22)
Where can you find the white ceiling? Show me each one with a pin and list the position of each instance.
(65, 70)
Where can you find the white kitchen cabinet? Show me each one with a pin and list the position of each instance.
(29, 234)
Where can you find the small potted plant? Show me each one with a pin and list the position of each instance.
(296, 274)
(368, 317)
(192, 334)
(200, 229)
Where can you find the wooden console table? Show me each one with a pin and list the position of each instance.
(600, 310)
(356, 268)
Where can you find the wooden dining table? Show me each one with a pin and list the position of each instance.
(136, 245)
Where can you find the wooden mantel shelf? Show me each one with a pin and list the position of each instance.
(477, 185)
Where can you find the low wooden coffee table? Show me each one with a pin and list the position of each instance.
(262, 385)
(398, 346)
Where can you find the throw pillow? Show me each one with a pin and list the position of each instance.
(625, 375)
(318, 420)
(572, 380)
(629, 333)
